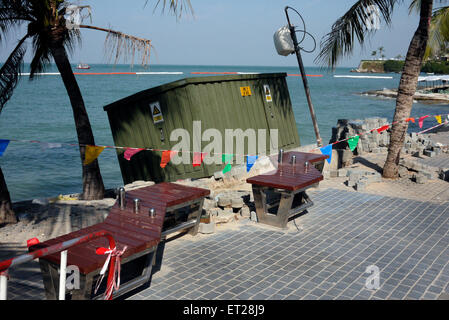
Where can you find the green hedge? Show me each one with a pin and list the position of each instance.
(393, 66)
(437, 67)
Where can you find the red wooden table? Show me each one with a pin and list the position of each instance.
(281, 194)
(177, 207)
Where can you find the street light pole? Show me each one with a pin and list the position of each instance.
(304, 77)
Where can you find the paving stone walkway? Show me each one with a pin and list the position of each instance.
(323, 255)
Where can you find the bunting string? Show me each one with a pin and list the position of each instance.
(94, 151)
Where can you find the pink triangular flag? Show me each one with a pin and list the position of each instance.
(198, 158)
(421, 120)
(131, 151)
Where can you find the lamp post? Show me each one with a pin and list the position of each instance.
(304, 77)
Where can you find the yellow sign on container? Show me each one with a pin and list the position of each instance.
(245, 91)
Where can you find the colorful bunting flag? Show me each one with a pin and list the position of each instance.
(198, 158)
(250, 160)
(92, 153)
(166, 157)
(438, 119)
(383, 128)
(410, 119)
(327, 150)
(129, 152)
(353, 142)
(227, 158)
(3, 146)
(421, 120)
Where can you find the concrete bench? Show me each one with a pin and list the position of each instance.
(281, 194)
(176, 208)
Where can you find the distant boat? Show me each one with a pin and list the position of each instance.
(83, 66)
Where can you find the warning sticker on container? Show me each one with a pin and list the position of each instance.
(266, 89)
(156, 112)
(245, 91)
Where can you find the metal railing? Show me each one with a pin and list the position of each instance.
(60, 247)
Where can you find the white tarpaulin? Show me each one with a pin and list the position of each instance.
(283, 42)
(434, 78)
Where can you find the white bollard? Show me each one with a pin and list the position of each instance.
(62, 275)
(3, 287)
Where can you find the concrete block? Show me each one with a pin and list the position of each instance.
(361, 185)
(420, 179)
(342, 172)
(333, 173)
(429, 153)
(218, 175)
(207, 228)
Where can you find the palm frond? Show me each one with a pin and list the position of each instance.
(10, 72)
(176, 7)
(438, 33)
(351, 27)
(121, 45)
(12, 14)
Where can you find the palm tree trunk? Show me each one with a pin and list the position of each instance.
(93, 188)
(7, 215)
(407, 88)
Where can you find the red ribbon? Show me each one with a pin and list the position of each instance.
(114, 284)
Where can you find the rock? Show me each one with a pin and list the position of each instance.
(342, 172)
(209, 204)
(254, 216)
(225, 217)
(245, 212)
(224, 201)
(420, 179)
(237, 202)
(207, 228)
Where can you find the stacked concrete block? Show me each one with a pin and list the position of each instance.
(369, 141)
(360, 179)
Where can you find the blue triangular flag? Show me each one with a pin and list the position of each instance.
(3, 145)
(327, 150)
(250, 160)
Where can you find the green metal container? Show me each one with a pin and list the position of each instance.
(250, 101)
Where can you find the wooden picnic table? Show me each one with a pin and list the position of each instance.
(281, 194)
(176, 207)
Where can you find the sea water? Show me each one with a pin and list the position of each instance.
(40, 110)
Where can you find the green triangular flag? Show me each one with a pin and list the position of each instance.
(227, 158)
(353, 142)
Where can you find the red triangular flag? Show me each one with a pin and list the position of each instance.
(421, 120)
(166, 157)
(383, 128)
(131, 151)
(410, 119)
(32, 242)
(198, 158)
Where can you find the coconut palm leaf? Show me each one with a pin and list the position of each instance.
(350, 27)
(10, 72)
(438, 33)
(177, 7)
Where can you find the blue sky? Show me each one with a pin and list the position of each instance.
(228, 32)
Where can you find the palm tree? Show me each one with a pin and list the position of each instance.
(373, 54)
(352, 26)
(381, 51)
(51, 37)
